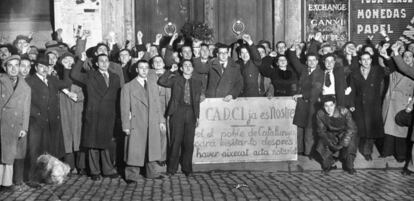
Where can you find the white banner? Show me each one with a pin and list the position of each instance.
(246, 130)
(74, 17)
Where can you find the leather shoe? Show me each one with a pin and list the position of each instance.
(158, 177)
(188, 174)
(81, 172)
(406, 172)
(351, 171)
(96, 177)
(170, 174)
(112, 176)
(128, 181)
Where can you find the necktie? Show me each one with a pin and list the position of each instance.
(222, 68)
(261, 84)
(309, 71)
(187, 92)
(45, 81)
(145, 85)
(14, 81)
(106, 78)
(328, 79)
(364, 73)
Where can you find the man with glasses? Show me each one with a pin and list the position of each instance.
(224, 76)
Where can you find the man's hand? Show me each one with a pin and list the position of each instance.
(158, 38)
(127, 131)
(174, 67)
(348, 91)
(273, 54)
(248, 39)
(352, 109)
(383, 52)
(163, 127)
(22, 133)
(396, 47)
(295, 97)
(202, 97)
(140, 55)
(73, 96)
(25, 48)
(139, 35)
(173, 38)
(227, 98)
(318, 37)
(83, 56)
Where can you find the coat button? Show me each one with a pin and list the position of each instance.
(12, 125)
(2, 95)
(15, 114)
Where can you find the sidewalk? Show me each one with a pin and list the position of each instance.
(235, 185)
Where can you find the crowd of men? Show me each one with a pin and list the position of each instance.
(130, 109)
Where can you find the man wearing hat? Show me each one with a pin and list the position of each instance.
(45, 119)
(22, 43)
(14, 114)
(337, 131)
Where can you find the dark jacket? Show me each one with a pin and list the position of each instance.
(310, 86)
(228, 83)
(177, 83)
(367, 98)
(45, 128)
(335, 132)
(101, 106)
(201, 70)
(285, 83)
(250, 72)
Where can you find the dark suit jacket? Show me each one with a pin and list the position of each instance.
(176, 83)
(101, 106)
(228, 83)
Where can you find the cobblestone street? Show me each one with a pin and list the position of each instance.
(240, 185)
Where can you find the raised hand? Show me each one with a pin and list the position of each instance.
(247, 38)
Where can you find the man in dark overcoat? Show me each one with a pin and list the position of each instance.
(366, 92)
(45, 128)
(310, 89)
(102, 88)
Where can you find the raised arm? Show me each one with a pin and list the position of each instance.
(294, 60)
(401, 65)
(76, 73)
(168, 78)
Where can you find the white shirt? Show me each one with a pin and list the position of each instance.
(224, 64)
(331, 89)
(104, 73)
(42, 78)
(141, 80)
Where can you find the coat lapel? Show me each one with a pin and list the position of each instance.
(6, 90)
(100, 84)
(139, 92)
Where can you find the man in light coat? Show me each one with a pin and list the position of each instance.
(142, 122)
(14, 114)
